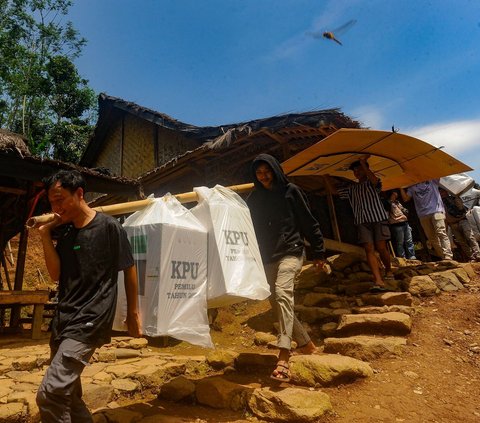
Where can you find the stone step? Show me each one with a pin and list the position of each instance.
(387, 299)
(327, 369)
(366, 348)
(391, 323)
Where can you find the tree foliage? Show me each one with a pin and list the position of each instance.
(42, 96)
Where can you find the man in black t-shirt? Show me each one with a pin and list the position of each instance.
(91, 249)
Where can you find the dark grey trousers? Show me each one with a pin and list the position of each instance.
(59, 396)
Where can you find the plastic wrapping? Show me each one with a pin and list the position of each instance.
(473, 217)
(471, 198)
(457, 184)
(235, 269)
(169, 249)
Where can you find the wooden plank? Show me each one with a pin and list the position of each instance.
(16, 191)
(24, 297)
(21, 257)
(343, 247)
(3, 263)
(37, 321)
(333, 217)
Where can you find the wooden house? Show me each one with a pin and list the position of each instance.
(167, 155)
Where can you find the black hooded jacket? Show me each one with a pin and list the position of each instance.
(281, 216)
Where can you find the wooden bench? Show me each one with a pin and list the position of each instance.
(36, 298)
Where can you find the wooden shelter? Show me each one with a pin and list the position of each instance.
(399, 160)
(22, 195)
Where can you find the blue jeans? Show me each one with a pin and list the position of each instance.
(402, 240)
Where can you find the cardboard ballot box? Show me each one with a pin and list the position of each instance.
(235, 269)
(170, 251)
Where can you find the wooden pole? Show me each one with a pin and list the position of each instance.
(132, 206)
(333, 217)
(20, 267)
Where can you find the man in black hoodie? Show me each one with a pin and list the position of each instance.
(282, 220)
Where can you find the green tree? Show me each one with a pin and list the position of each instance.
(42, 96)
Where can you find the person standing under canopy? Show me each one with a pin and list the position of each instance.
(431, 212)
(282, 220)
(400, 229)
(370, 217)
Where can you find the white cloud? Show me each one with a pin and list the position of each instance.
(457, 137)
(460, 138)
(368, 116)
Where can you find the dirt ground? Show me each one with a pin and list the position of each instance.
(437, 379)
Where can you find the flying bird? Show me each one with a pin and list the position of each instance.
(332, 35)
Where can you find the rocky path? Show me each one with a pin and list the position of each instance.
(130, 381)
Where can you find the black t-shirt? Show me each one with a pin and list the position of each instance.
(90, 259)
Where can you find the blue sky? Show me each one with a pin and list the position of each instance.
(414, 64)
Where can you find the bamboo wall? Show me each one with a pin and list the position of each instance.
(138, 146)
(172, 144)
(111, 154)
(136, 155)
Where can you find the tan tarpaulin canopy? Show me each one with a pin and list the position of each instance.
(399, 160)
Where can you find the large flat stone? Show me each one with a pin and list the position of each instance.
(327, 369)
(12, 412)
(289, 405)
(391, 323)
(446, 280)
(388, 299)
(365, 347)
(421, 286)
(218, 392)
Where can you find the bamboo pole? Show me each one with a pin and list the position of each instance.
(132, 206)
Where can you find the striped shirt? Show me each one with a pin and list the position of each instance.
(365, 201)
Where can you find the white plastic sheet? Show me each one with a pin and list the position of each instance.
(471, 198)
(457, 184)
(170, 250)
(473, 217)
(235, 269)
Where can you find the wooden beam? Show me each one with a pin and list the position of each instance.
(21, 257)
(343, 247)
(282, 141)
(3, 263)
(333, 217)
(36, 298)
(34, 170)
(24, 297)
(16, 191)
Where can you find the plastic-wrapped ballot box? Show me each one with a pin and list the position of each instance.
(235, 269)
(457, 184)
(169, 247)
(473, 217)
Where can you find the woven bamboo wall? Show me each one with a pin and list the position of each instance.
(172, 144)
(138, 146)
(111, 154)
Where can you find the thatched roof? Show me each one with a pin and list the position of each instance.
(13, 143)
(225, 152)
(112, 108)
(17, 164)
(20, 187)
